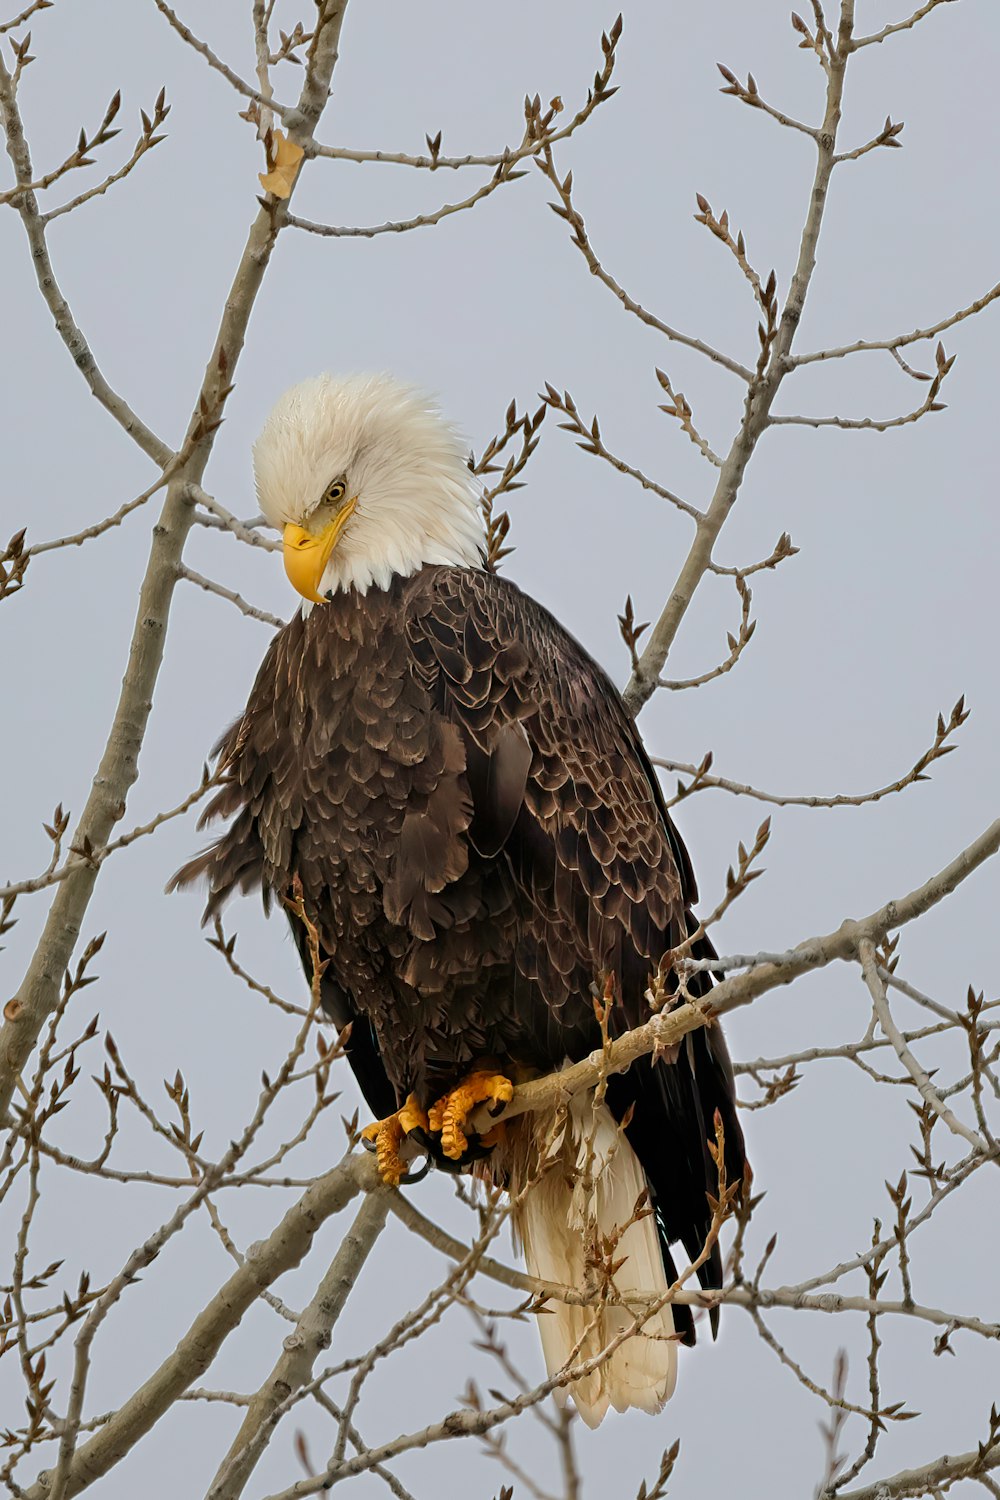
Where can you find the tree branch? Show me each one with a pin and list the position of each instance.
(529, 147)
(99, 527)
(34, 227)
(288, 112)
(880, 1001)
(566, 209)
(931, 1479)
(703, 781)
(285, 1248)
(740, 989)
(887, 31)
(867, 346)
(301, 1348)
(591, 441)
(222, 519)
(211, 587)
(737, 645)
(761, 392)
(504, 173)
(119, 765)
(26, 15)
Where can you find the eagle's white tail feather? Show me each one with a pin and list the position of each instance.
(589, 1192)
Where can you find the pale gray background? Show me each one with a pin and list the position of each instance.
(887, 614)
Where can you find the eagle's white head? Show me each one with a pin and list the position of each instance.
(366, 480)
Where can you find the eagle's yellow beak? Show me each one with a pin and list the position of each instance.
(307, 555)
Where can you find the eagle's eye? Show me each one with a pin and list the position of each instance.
(335, 492)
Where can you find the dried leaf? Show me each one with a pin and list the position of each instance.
(284, 167)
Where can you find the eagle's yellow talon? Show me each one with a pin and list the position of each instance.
(412, 1116)
(450, 1113)
(389, 1134)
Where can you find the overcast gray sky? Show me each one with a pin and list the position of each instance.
(884, 617)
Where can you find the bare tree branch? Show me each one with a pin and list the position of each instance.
(566, 209)
(749, 94)
(504, 173)
(302, 1348)
(219, 517)
(866, 346)
(56, 873)
(703, 781)
(737, 645)
(100, 527)
(761, 393)
(26, 15)
(740, 989)
(69, 332)
(285, 1248)
(891, 30)
(212, 587)
(119, 764)
(289, 113)
(876, 988)
(592, 442)
(932, 1479)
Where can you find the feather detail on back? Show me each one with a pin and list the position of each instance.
(479, 836)
(569, 1223)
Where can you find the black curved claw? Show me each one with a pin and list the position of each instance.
(418, 1175)
(432, 1145)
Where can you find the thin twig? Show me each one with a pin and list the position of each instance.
(503, 174)
(26, 206)
(581, 239)
(252, 611)
(702, 780)
(880, 1000)
(900, 341)
(896, 26)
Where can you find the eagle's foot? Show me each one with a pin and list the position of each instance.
(389, 1134)
(451, 1113)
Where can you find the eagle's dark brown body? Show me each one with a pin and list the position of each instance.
(480, 838)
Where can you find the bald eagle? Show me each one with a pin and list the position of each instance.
(460, 795)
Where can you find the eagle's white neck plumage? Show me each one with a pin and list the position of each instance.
(417, 502)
